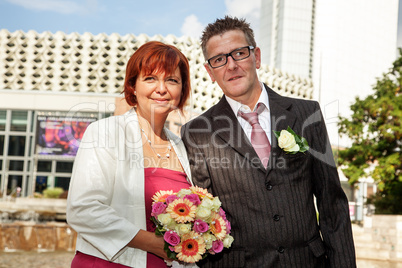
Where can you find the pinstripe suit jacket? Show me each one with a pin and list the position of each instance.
(271, 210)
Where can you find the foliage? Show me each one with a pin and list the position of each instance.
(376, 132)
(53, 192)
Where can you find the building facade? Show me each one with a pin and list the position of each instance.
(342, 45)
(53, 85)
(287, 35)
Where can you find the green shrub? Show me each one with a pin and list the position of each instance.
(53, 192)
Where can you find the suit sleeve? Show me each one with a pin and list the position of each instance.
(197, 159)
(332, 203)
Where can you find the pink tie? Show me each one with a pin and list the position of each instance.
(259, 139)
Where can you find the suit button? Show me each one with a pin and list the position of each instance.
(268, 186)
(281, 249)
(276, 217)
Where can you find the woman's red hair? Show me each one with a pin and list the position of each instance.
(155, 58)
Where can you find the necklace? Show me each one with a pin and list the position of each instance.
(168, 149)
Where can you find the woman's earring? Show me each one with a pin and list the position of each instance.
(135, 92)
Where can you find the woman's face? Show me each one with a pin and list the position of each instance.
(158, 93)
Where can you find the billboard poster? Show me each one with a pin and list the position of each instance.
(60, 135)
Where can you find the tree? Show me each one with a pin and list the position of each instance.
(375, 131)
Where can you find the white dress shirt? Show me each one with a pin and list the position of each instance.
(264, 118)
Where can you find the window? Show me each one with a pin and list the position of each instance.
(3, 120)
(64, 167)
(14, 181)
(62, 182)
(45, 166)
(16, 146)
(19, 120)
(1, 144)
(16, 165)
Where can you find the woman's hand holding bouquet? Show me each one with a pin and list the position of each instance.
(192, 223)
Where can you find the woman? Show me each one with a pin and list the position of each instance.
(123, 160)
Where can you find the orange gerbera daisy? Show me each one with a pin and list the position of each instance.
(182, 210)
(161, 195)
(201, 192)
(191, 248)
(218, 227)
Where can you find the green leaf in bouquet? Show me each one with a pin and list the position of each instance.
(170, 254)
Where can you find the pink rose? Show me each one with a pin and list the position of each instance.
(158, 208)
(171, 198)
(217, 246)
(228, 226)
(172, 238)
(222, 213)
(193, 198)
(200, 226)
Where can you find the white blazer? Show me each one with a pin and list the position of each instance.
(105, 204)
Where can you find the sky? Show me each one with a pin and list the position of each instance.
(152, 17)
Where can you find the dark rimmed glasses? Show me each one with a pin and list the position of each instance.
(237, 54)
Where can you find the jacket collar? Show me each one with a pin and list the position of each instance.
(226, 126)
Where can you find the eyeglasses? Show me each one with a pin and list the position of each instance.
(237, 54)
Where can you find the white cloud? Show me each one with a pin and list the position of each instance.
(59, 6)
(250, 10)
(192, 26)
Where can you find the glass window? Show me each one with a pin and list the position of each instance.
(45, 166)
(14, 181)
(66, 167)
(19, 120)
(32, 122)
(3, 120)
(41, 184)
(30, 145)
(28, 189)
(62, 182)
(1, 144)
(1, 165)
(16, 146)
(17, 165)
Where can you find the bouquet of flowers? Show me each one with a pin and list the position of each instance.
(192, 223)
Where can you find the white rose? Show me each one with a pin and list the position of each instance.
(227, 241)
(182, 229)
(183, 192)
(208, 238)
(287, 142)
(216, 204)
(203, 213)
(207, 203)
(165, 219)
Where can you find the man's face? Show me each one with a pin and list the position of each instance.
(237, 79)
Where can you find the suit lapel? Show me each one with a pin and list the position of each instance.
(227, 127)
(281, 118)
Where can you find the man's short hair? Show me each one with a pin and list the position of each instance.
(221, 26)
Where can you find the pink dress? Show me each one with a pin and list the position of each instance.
(157, 179)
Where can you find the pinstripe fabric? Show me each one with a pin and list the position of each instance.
(272, 210)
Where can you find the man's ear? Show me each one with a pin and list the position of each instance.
(208, 68)
(257, 53)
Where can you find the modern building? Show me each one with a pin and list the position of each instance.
(53, 85)
(342, 45)
(287, 35)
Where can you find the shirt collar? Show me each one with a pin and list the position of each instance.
(236, 106)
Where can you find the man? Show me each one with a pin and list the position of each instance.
(267, 189)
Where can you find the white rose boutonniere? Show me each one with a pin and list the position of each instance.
(290, 142)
